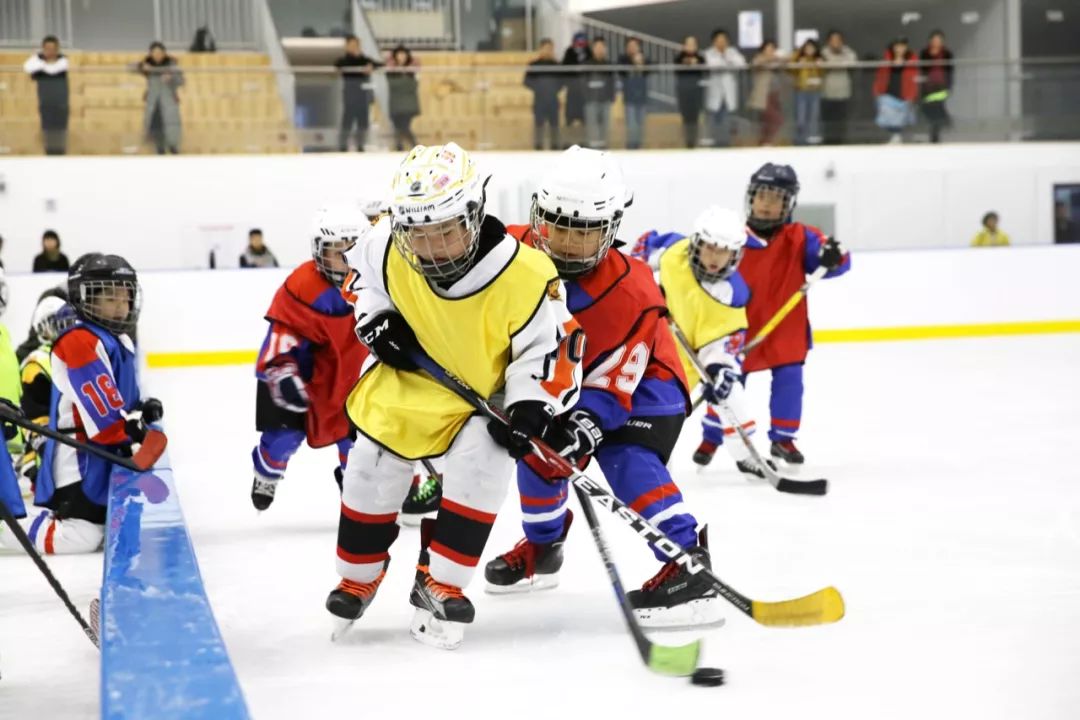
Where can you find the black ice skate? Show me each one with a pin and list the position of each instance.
(787, 452)
(348, 601)
(751, 470)
(704, 453)
(423, 500)
(262, 491)
(442, 611)
(528, 566)
(674, 598)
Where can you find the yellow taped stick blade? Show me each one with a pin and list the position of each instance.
(820, 608)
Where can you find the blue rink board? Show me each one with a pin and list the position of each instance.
(162, 655)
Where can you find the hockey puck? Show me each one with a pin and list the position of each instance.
(709, 677)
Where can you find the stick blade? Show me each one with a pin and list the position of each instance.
(677, 661)
(802, 487)
(820, 608)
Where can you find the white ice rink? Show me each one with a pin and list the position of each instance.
(952, 528)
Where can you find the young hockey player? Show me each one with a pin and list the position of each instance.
(96, 399)
(707, 299)
(443, 278)
(633, 402)
(774, 271)
(50, 316)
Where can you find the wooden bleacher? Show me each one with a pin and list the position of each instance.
(239, 111)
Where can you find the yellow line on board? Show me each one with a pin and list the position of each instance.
(879, 334)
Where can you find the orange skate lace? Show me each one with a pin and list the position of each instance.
(362, 590)
(669, 570)
(441, 591)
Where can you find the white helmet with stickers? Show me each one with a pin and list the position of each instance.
(578, 208)
(337, 227)
(48, 319)
(717, 242)
(437, 207)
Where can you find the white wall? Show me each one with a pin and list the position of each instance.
(223, 310)
(156, 211)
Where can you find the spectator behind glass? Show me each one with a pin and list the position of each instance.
(990, 236)
(937, 80)
(806, 68)
(836, 90)
(48, 69)
(722, 88)
(355, 69)
(1066, 230)
(764, 102)
(635, 92)
(896, 87)
(574, 112)
(161, 118)
(599, 95)
(689, 93)
(257, 255)
(545, 85)
(404, 99)
(50, 259)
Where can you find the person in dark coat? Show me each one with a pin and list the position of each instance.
(635, 92)
(50, 259)
(688, 88)
(574, 112)
(545, 85)
(404, 99)
(599, 96)
(48, 69)
(356, 69)
(937, 81)
(161, 118)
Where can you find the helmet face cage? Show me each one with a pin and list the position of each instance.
(325, 249)
(701, 272)
(89, 292)
(434, 248)
(573, 264)
(49, 327)
(767, 224)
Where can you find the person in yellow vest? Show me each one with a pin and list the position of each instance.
(35, 372)
(707, 299)
(10, 389)
(990, 236)
(442, 277)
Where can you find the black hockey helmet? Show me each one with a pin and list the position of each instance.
(96, 282)
(776, 179)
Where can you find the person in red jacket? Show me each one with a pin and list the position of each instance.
(896, 88)
(775, 270)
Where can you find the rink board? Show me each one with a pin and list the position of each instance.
(162, 655)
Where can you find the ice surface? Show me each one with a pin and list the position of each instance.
(952, 527)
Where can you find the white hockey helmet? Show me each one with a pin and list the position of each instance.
(437, 208)
(577, 210)
(337, 227)
(48, 321)
(721, 229)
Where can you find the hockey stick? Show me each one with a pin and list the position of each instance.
(150, 450)
(824, 606)
(784, 310)
(28, 546)
(796, 487)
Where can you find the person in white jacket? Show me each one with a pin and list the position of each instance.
(48, 69)
(722, 86)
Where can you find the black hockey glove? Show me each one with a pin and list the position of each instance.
(718, 385)
(152, 410)
(528, 418)
(10, 408)
(287, 389)
(831, 255)
(576, 436)
(390, 338)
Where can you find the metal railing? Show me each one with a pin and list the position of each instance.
(242, 108)
(23, 23)
(233, 23)
(657, 51)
